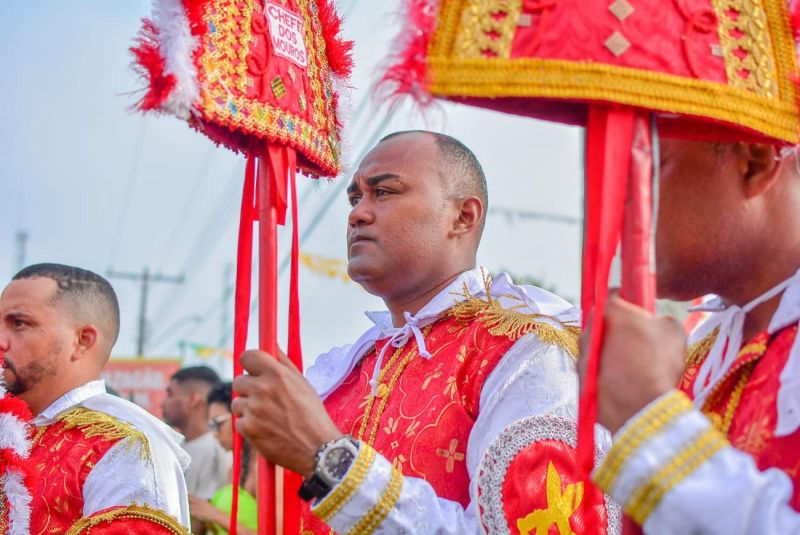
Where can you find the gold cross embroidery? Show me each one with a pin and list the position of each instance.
(560, 507)
(451, 455)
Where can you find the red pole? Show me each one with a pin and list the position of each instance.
(638, 255)
(267, 327)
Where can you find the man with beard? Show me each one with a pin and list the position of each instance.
(457, 407)
(101, 462)
(729, 225)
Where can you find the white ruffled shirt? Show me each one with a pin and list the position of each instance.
(123, 476)
(533, 378)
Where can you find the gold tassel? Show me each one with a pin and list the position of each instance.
(95, 423)
(514, 324)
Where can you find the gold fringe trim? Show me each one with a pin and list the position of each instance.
(512, 323)
(773, 113)
(132, 512)
(99, 424)
(697, 352)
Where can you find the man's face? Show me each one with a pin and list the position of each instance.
(35, 336)
(400, 216)
(175, 407)
(700, 217)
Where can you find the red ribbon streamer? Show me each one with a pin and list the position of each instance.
(244, 262)
(619, 168)
(276, 164)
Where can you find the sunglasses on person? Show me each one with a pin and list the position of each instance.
(216, 423)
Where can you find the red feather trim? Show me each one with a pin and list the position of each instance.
(194, 12)
(407, 70)
(149, 64)
(794, 13)
(339, 51)
(16, 407)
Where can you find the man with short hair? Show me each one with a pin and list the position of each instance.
(729, 225)
(186, 408)
(463, 393)
(101, 460)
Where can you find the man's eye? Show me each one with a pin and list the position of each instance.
(353, 199)
(380, 192)
(19, 323)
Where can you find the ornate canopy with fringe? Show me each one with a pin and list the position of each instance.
(262, 78)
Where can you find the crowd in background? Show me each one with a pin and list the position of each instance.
(198, 405)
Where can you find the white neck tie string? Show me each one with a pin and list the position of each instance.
(398, 337)
(729, 339)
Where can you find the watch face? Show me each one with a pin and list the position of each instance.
(337, 461)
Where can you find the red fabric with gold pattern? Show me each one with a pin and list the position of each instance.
(63, 459)
(712, 68)
(430, 405)
(755, 417)
(245, 73)
(134, 520)
(527, 483)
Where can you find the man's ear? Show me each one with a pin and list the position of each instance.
(760, 166)
(86, 341)
(470, 215)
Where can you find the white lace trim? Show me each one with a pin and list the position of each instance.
(501, 453)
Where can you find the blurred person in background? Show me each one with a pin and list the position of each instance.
(186, 408)
(216, 512)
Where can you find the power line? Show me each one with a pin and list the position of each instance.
(130, 182)
(511, 213)
(208, 236)
(336, 192)
(145, 278)
(197, 185)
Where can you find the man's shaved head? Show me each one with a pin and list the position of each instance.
(85, 296)
(461, 172)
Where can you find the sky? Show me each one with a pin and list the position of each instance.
(93, 184)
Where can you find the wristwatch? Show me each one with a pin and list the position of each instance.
(331, 463)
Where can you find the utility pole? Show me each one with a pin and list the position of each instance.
(227, 293)
(144, 279)
(22, 242)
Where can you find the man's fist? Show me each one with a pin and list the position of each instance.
(642, 357)
(279, 412)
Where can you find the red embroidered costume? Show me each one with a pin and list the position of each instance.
(469, 372)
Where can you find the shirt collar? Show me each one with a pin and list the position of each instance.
(74, 397)
(474, 282)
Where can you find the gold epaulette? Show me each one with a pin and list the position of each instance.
(96, 423)
(131, 512)
(514, 323)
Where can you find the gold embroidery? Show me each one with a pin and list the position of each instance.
(340, 495)
(487, 29)
(723, 424)
(755, 436)
(560, 507)
(134, 512)
(385, 504)
(514, 324)
(224, 61)
(663, 412)
(743, 29)
(450, 455)
(775, 115)
(390, 387)
(99, 424)
(3, 524)
(649, 494)
(697, 351)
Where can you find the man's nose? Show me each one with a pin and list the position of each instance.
(361, 214)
